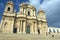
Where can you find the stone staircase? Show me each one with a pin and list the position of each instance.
(28, 37)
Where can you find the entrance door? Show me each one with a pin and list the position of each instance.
(28, 30)
(15, 30)
(38, 31)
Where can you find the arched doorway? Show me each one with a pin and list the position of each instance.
(38, 31)
(28, 29)
(14, 30)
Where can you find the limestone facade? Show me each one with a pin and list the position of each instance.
(25, 21)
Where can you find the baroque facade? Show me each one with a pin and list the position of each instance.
(25, 21)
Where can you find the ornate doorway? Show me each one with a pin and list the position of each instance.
(38, 31)
(15, 30)
(28, 29)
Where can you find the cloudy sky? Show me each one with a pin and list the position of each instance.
(51, 7)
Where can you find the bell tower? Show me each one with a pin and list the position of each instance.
(42, 22)
(8, 18)
(9, 7)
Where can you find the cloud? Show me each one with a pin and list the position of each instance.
(52, 8)
(36, 3)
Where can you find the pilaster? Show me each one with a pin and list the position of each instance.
(24, 27)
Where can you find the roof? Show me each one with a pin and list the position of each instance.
(27, 5)
(41, 10)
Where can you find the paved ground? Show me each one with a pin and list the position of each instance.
(28, 37)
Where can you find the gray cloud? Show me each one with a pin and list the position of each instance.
(36, 3)
(52, 8)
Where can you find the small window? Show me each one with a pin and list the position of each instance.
(44, 26)
(28, 13)
(49, 30)
(57, 31)
(3, 18)
(34, 22)
(5, 24)
(8, 9)
(54, 30)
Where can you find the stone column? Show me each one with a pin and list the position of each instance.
(21, 26)
(40, 28)
(24, 10)
(21, 10)
(31, 28)
(24, 27)
(36, 28)
(12, 26)
(17, 29)
(17, 26)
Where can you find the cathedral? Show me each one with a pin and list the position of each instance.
(26, 21)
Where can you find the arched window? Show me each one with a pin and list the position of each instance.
(28, 13)
(5, 24)
(24, 10)
(57, 31)
(54, 30)
(8, 9)
(49, 30)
